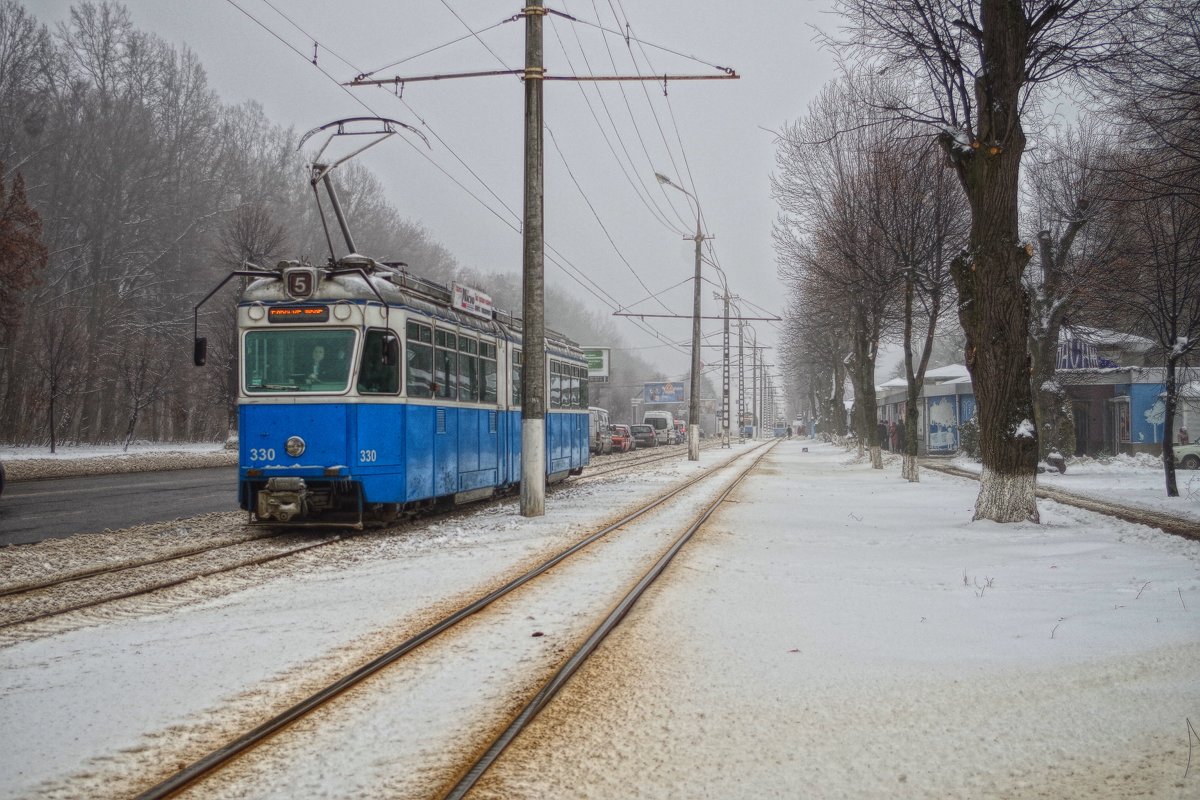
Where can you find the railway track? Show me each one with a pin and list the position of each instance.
(1170, 524)
(458, 777)
(96, 587)
(82, 589)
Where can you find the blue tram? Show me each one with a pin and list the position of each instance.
(366, 392)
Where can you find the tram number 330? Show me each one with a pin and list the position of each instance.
(262, 454)
(367, 456)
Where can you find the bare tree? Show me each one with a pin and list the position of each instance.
(826, 190)
(1070, 209)
(22, 254)
(144, 371)
(920, 219)
(1155, 88)
(60, 341)
(24, 52)
(980, 62)
(1158, 254)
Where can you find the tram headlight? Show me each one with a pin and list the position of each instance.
(295, 446)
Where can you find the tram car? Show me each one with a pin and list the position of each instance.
(366, 392)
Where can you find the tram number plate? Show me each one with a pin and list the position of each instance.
(367, 456)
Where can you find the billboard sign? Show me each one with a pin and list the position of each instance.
(669, 392)
(472, 301)
(597, 358)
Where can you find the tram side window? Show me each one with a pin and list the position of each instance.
(379, 372)
(420, 360)
(468, 370)
(518, 360)
(445, 364)
(556, 384)
(574, 371)
(487, 372)
(584, 399)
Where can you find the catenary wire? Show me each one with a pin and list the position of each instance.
(557, 259)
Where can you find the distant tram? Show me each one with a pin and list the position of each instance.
(365, 391)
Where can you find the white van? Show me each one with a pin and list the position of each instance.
(599, 436)
(663, 423)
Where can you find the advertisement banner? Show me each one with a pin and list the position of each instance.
(472, 301)
(943, 424)
(669, 392)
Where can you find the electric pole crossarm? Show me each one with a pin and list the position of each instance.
(689, 316)
(663, 78)
(398, 80)
(443, 77)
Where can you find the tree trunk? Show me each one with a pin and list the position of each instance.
(1169, 428)
(993, 306)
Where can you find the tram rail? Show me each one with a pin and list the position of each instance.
(212, 763)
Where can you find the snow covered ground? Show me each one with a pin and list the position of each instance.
(835, 632)
(1135, 481)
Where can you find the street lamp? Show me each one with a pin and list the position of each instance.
(694, 400)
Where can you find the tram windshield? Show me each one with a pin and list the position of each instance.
(297, 360)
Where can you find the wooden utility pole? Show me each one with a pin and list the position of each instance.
(533, 293)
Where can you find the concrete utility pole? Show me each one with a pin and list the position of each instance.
(725, 378)
(694, 389)
(533, 372)
(533, 379)
(694, 400)
(741, 384)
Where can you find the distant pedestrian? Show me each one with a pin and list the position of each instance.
(883, 435)
(1183, 435)
(892, 436)
(901, 440)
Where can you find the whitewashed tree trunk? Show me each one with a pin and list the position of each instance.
(1004, 496)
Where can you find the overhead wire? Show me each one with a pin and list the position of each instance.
(654, 115)
(579, 187)
(637, 130)
(638, 186)
(556, 258)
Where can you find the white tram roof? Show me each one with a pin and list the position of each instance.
(372, 280)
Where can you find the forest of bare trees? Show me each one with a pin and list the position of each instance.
(127, 191)
(1054, 221)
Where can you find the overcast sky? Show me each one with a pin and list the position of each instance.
(606, 216)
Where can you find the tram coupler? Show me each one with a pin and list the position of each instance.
(282, 500)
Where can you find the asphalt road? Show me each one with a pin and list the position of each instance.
(31, 511)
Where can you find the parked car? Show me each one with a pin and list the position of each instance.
(663, 424)
(643, 436)
(599, 440)
(622, 438)
(1187, 456)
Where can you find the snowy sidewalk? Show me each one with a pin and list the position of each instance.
(839, 632)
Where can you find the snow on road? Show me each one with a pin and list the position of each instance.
(836, 632)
